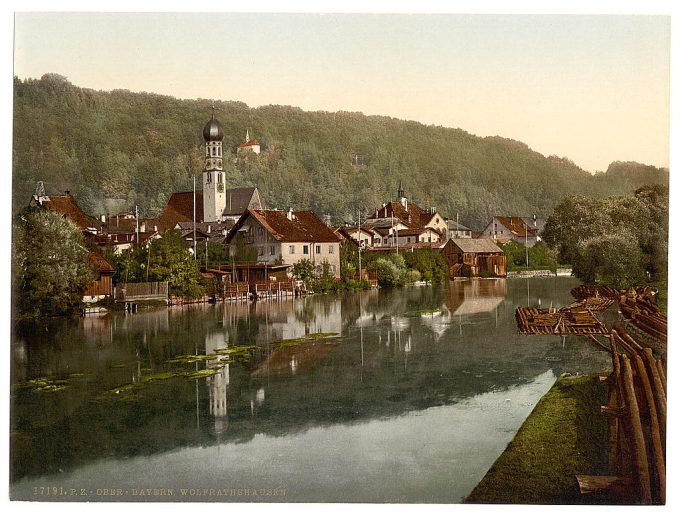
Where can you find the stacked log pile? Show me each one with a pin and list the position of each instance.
(637, 387)
(639, 307)
(637, 426)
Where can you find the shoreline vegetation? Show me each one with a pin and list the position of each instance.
(564, 435)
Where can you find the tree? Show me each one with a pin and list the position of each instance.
(49, 264)
(304, 270)
(616, 240)
(170, 260)
(611, 259)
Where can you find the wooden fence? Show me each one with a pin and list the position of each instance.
(129, 292)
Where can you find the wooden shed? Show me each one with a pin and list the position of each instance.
(102, 287)
(474, 257)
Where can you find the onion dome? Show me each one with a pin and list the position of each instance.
(212, 131)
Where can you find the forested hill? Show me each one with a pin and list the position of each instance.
(114, 150)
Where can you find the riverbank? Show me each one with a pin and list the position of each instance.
(541, 273)
(565, 435)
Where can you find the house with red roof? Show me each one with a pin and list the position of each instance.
(66, 206)
(286, 237)
(520, 229)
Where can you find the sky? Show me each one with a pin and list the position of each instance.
(593, 88)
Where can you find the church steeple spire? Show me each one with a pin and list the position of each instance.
(400, 191)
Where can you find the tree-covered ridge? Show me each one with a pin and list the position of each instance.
(140, 147)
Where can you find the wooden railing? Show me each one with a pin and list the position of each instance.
(124, 292)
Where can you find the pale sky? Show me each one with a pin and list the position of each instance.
(592, 88)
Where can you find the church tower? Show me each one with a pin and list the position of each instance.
(214, 197)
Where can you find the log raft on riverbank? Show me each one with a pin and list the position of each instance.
(636, 403)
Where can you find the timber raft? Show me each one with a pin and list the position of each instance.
(636, 388)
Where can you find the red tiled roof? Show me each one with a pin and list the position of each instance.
(413, 216)
(66, 205)
(516, 225)
(180, 208)
(98, 261)
(251, 142)
(304, 227)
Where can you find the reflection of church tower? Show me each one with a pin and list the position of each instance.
(218, 384)
(217, 389)
(214, 198)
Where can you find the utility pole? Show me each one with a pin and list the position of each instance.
(194, 226)
(137, 224)
(360, 244)
(526, 243)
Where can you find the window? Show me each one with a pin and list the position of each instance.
(272, 250)
(305, 249)
(291, 249)
(331, 249)
(209, 177)
(377, 241)
(318, 249)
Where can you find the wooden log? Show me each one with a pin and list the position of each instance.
(662, 373)
(609, 485)
(639, 447)
(599, 344)
(655, 431)
(659, 390)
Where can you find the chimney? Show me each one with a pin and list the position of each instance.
(68, 193)
(209, 228)
(142, 227)
(103, 218)
(290, 214)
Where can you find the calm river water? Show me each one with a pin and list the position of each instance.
(412, 400)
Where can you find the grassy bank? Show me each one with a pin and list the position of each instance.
(565, 435)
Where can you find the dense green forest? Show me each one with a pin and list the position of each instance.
(114, 150)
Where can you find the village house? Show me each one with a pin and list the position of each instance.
(286, 237)
(411, 215)
(474, 257)
(66, 206)
(522, 230)
(457, 230)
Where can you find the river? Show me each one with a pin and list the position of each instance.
(403, 395)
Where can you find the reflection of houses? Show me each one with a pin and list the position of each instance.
(523, 230)
(282, 319)
(102, 286)
(302, 358)
(286, 237)
(474, 257)
(475, 296)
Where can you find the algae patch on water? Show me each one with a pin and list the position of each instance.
(201, 373)
(47, 385)
(188, 359)
(158, 376)
(322, 335)
(310, 338)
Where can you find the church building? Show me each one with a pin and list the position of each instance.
(213, 202)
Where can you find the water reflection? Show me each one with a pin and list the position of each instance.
(400, 353)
